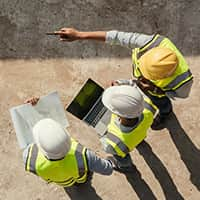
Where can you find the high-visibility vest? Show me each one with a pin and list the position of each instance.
(122, 142)
(181, 75)
(65, 172)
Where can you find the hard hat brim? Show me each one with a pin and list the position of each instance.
(107, 97)
(111, 96)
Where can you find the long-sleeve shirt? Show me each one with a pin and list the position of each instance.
(134, 40)
(125, 39)
(95, 163)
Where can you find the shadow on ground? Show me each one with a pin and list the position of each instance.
(24, 24)
(139, 185)
(189, 153)
(160, 172)
(82, 192)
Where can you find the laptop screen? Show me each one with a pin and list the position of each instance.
(85, 99)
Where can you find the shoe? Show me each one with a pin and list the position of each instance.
(159, 122)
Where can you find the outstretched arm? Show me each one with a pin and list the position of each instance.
(114, 37)
(71, 34)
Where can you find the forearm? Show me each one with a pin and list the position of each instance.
(98, 165)
(130, 40)
(94, 35)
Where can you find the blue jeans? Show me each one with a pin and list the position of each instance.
(164, 105)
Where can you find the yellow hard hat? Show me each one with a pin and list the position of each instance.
(158, 63)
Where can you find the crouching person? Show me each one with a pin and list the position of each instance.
(58, 158)
(132, 115)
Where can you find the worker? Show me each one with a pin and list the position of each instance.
(132, 115)
(58, 158)
(161, 70)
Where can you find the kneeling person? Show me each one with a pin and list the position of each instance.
(132, 115)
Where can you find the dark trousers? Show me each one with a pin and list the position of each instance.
(123, 162)
(164, 105)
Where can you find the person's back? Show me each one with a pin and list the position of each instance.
(134, 134)
(58, 158)
(131, 118)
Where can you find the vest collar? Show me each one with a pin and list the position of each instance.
(127, 129)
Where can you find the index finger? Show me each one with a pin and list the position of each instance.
(51, 33)
(58, 32)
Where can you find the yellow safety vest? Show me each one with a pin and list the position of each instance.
(122, 142)
(65, 172)
(180, 76)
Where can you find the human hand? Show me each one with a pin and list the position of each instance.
(114, 83)
(33, 100)
(68, 34)
(143, 84)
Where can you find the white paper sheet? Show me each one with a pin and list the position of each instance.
(25, 116)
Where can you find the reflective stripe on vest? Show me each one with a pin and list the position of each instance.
(31, 159)
(64, 183)
(149, 107)
(178, 79)
(118, 142)
(157, 39)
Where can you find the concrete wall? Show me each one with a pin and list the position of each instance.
(33, 64)
(23, 24)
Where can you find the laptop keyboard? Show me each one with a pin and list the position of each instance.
(95, 113)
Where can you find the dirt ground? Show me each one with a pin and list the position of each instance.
(167, 164)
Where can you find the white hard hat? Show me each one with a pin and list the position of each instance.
(53, 140)
(125, 101)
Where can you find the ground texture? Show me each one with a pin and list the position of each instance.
(167, 163)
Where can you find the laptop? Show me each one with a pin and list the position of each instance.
(88, 107)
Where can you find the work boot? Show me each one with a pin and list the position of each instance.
(160, 121)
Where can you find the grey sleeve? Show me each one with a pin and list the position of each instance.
(181, 92)
(106, 147)
(97, 164)
(25, 154)
(130, 82)
(184, 90)
(127, 39)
